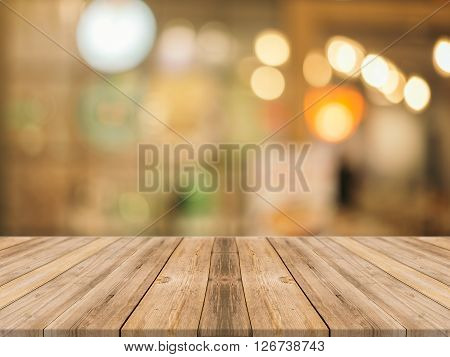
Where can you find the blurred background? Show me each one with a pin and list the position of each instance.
(229, 71)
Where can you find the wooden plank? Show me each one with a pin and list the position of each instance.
(346, 310)
(29, 315)
(276, 304)
(26, 283)
(225, 245)
(225, 310)
(17, 251)
(442, 242)
(13, 266)
(104, 309)
(435, 251)
(420, 315)
(92, 290)
(6, 242)
(434, 266)
(430, 251)
(428, 286)
(173, 305)
(418, 247)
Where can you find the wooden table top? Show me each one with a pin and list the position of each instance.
(244, 286)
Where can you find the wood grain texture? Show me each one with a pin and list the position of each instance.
(225, 245)
(31, 314)
(173, 304)
(104, 309)
(434, 265)
(13, 266)
(442, 242)
(224, 286)
(428, 286)
(16, 251)
(276, 305)
(6, 242)
(425, 247)
(347, 311)
(225, 310)
(429, 251)
(420, 315)
(26, 283)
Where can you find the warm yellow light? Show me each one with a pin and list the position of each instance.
(417, 93)
(333, 116)
(267, 82)
(441, 56)
(346, 58)
(334, 122)
(316, 69)
(395, 96)
(344, 54)
(272, 48)
(392, 82)
(375, 70)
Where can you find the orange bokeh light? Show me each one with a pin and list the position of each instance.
(336, 116)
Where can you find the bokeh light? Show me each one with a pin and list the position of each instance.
(344, 54)
(334, 122)
(417, 93)
(316, 69)
(392, 82)
(333, 117)
(272, 48)
(76, 136)
(115, 36)
(177, 45)
(375, 70)
(267, 83)
(441, 56)
(215, 43)
(395, 96)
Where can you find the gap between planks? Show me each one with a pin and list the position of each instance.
(423, 283)
(232, 286)
(30, 281)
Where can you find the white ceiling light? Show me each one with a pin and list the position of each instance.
(115, 36)
(417, 93)
(375, 70)
(441, 56)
